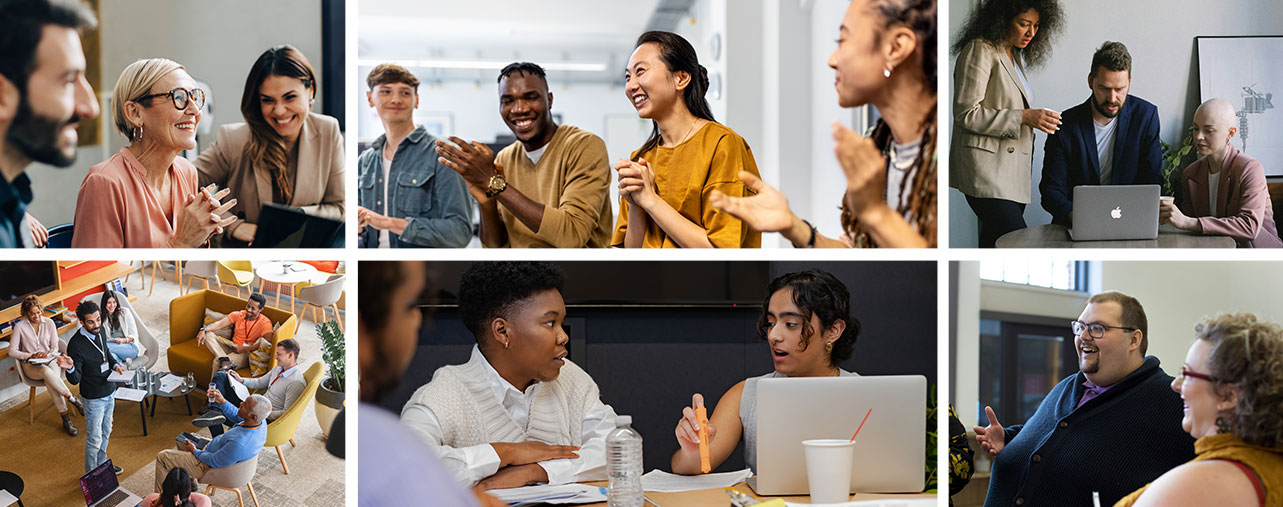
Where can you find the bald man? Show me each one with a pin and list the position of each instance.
(1224, 190)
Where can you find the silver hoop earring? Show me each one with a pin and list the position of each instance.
(138, 133)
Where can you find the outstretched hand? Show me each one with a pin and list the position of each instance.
(993, 437)
(865, 169)
(767, 211)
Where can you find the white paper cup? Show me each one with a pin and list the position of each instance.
(1166, 199)
(828, 469)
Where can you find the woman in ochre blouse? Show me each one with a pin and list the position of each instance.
(665, 186)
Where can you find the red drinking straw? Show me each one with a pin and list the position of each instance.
(866, 418)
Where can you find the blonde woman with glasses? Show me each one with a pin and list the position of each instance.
(146, 195)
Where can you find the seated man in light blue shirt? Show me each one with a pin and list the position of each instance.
(239, 444)
(284, 384)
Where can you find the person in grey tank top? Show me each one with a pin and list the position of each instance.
(809, 331)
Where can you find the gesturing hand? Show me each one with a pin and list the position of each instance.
(688, 427)
(39, 234)
(992, 437)
(474, 161)
(864, 166)
(65, 362)
(768, 211)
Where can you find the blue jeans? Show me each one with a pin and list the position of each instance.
(98, 413)
(122, 351)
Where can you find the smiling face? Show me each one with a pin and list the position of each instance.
(165, 126)
(394, 102)
(785, 322)
(524, 102)
(110, 306)
(33, 314)
(1202, 404)
(536, 342)
(284, 104)
(856, 62)
(56, 97)
(1111, 357)
(285, 358)
(1109, 90)
(92, 322)
(1023, 29)
(252, 310)
(648, 84)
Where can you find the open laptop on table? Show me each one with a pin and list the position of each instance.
(889, 452)
(102, 489)
(286, 227)
(1115, 212)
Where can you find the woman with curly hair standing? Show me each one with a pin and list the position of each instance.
(1232, 385)
(991, 152)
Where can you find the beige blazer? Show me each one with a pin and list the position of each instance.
(318, 187)
(991, 153)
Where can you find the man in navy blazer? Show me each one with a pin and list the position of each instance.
(1111, 139)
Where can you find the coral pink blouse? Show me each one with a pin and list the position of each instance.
(116, 207)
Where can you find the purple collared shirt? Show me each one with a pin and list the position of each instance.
(1092, 391)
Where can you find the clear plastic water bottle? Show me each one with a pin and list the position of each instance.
(624, 464)
(210, 397)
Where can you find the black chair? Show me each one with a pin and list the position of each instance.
(60, 236)
(10, 482)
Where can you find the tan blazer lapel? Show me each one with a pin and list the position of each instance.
(308, 159)
(1010, 70)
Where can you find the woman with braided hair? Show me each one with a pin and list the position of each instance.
(283, 153)
(665, 185)
(886, 57)
(1232, 386)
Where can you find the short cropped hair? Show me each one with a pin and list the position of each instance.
(262, 407)
(85, 309)
(1133, 314)
(1112, 56)
(490, 290)
(259, 298)
(386, 73)
(290, 345)
(1248, 354)
(22, 24)
(526, 68)
(135, 82)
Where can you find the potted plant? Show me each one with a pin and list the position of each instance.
(1174, 160)
(329, 396)
(932, 463)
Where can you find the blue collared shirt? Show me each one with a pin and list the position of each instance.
(14, 197)
(431, 197)
(235, 446)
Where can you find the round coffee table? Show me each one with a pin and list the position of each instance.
(284, 274)
(10, 482)
(180, 392)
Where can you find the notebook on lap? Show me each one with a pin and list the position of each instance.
(102, 489)
(1115, 212)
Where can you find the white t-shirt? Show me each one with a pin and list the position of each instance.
(536, 154)
(1105, 149)
(1213, 181)
(384, 239)
(900, 167)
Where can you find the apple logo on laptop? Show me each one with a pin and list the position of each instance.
(1116, 213)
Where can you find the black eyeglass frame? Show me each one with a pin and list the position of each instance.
(1095, 329)
(187, 95)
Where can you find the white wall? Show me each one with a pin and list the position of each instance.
(216, 41)
(1160, 37)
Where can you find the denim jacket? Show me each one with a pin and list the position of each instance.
(430, 196)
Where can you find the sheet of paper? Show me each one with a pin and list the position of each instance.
(7, 499)
(125, 377)
(241, 391)
(564, 494)
(907, 502)
(170, 382)
(664, 482)
(130, 394)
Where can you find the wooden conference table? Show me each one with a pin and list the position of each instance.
(716, 497)
(1057, 236)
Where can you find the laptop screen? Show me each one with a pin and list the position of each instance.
(99, 483)
(285, 227)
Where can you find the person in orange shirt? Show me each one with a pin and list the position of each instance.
(250, 330)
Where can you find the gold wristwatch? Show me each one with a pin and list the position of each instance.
(497, 184)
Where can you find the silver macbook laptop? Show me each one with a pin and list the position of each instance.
(1115, 212)
(102, 489)
(889, 452)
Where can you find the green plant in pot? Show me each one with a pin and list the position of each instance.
(932, 462)
(1174, 160)
(329, 396)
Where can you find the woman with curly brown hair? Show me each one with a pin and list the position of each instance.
(886, 58)
(1232, 385)
(284, 153)
(991, 151)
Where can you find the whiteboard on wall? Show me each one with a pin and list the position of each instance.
(1246, 71)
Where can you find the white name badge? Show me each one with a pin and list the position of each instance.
(104, 367)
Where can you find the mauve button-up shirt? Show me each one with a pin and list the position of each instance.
(116, 207)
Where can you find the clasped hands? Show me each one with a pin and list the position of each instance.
(519, 463)
(201, 217)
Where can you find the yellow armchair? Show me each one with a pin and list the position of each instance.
(283, 428)
(235, 273)
(187, 315)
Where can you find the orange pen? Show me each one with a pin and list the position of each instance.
(701, 415)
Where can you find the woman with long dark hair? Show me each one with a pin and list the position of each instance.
(283, 153)
(991, 153)
(178, 490)
(120, 328)
(665, 185)
(886, 57)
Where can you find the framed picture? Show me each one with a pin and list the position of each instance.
(1245, 71)
(438, 123)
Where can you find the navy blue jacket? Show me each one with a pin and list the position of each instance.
(1115, 443)
(1070, 157)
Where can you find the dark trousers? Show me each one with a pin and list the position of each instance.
(997, 217)
(220, 382)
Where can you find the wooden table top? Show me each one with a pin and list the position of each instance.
(1057, 236)
(717, 498)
